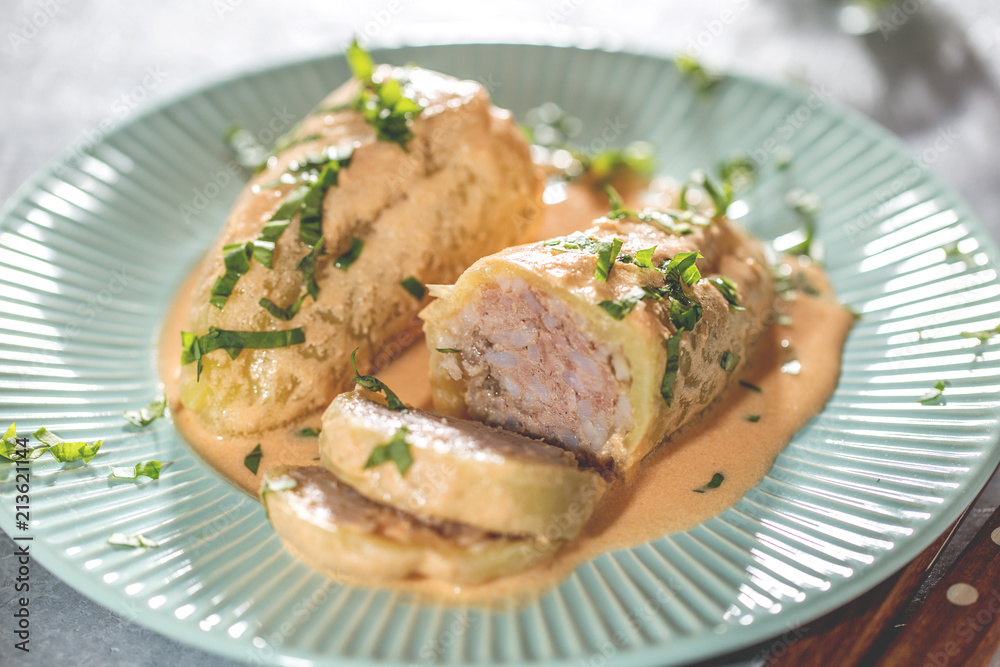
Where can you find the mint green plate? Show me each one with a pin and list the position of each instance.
(93, 250)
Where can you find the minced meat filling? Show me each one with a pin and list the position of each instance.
(530, 366)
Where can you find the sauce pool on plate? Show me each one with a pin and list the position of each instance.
(696, 474)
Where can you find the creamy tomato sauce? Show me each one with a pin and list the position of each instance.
(738, 437)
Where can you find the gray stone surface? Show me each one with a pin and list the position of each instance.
(929, 72)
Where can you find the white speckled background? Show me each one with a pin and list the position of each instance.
(930, 73)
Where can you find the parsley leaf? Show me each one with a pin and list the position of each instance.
(145, 416)
(720, 194)
(193, 347)
(685, 313)
(308, 433)
(372, 383)
(619, 309)
(351, 256)
(983, 336)
(694, 71)
(606, 254)
(311, 221)
(934, 394)
(644, 258)
(682, 266)
(575, 241)
(673, 365)
(738, 173)
(236, 257)
(806, 205)
(448, 350)
(383, 104)
(252, 460)
(279, 312)
(250, 154)
(753, 418)
(550, 128)
(150, 469)
(675, 222)
(396, 450)
(307, 266)
(714, 483)
(14, 448)
(751, 387)
(414, 287)
(64, 451)
(362, 65)
(263, 246)
(729, 290)
(729, 361)
(606, 251)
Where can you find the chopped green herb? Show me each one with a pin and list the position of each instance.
(685, 313)
(147, 415)
(307, 267)
(606, 255)
(551, 128)
(738, 173)
(236, 257)
(806, 205)
(64, 451)
(751, 387)
(134, 541)
(372, 383)
(150, 469)
(619, 309)
(673, 365)
(279, 312)
(783, 158)
(714, 483)
(308, 433)
(637, 158)
(729, 361)
(753, 418)
(720, 194)
(618, 209)
(311, 220)
(383, 104)
(250, 154)
(362, 65)
(575, 241)
(694, 71)
(448, 350)
(351, 256)
(252, 460)
(795, 280)
(10, 449)
(729, 290)
(193, 347)
(396, 450)
(983, 336)
(606, 251)
(934, 394)
(263, 246)
(414, 287)
(682, 266)
(675, 222)
(644, 258)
